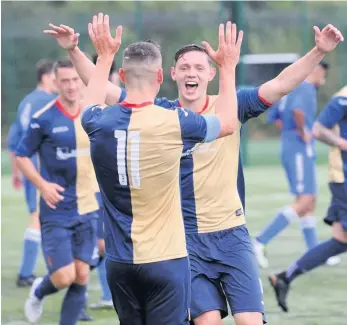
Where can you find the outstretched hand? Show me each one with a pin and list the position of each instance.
(99, 32)
(327, 38)
(65, 36)
(229, 46)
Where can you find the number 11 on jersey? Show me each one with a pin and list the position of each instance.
(123, 137)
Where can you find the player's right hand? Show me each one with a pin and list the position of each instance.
(229, 47)
(99, 32)
(51, 194)
(16, 181)
(65, 36)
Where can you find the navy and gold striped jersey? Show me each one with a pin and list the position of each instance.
(64, 159)
(212, 182)
(136, 152)
(334, 116)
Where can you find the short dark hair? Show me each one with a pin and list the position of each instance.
(62, 63)
(44, 66)
(142, 51)
(189, 48)
(324, 65)
(113, 66)
(154, 43)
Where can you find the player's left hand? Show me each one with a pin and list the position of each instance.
(99, 32)
(229, 47)
(327, 38)
(65, 36)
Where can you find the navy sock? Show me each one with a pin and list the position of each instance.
(73, 303)
(45, 288)
(315, 257)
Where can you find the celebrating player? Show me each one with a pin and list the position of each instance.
(296, 113)
(68, 204)
(212, 182)
(147, 265)
(330, 128)
(39, 97)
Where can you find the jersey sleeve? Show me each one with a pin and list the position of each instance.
(31, 140)
(333, 112)
(14, 136)
(164, 102)
(273, 114)
(197, 128)
(90, 116)
(250, 104)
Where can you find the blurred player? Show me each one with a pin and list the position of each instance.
(113, 75)
(330, 128)
(211, 214)
(147, 265)
(68, 204)
(41, 95)
(295, 114)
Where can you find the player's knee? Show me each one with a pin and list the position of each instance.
(101, 246)
(64, 277)
(34, 221)
(82, 272)
(339, 232)
(209, 318)
(250, 318)
(305, 204)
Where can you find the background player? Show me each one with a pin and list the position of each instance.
(194, 96)
(114, 75)
(154, 233)
(296, 113)
(39, 97)
(330, 128)
(68, 204)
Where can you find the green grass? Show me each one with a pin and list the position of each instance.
(318, 298)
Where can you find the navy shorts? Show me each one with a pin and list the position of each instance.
(31, 195)
(337, 211)
(300, 168)
(152, 293)
(224, 269)
(61, 245)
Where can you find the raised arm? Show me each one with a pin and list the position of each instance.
(226, 57)
(68, 40)
(296, 73)
(106, 47)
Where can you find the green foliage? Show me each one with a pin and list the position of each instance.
(271, 27)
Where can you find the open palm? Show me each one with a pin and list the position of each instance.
(99, 32)
(229, 46)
